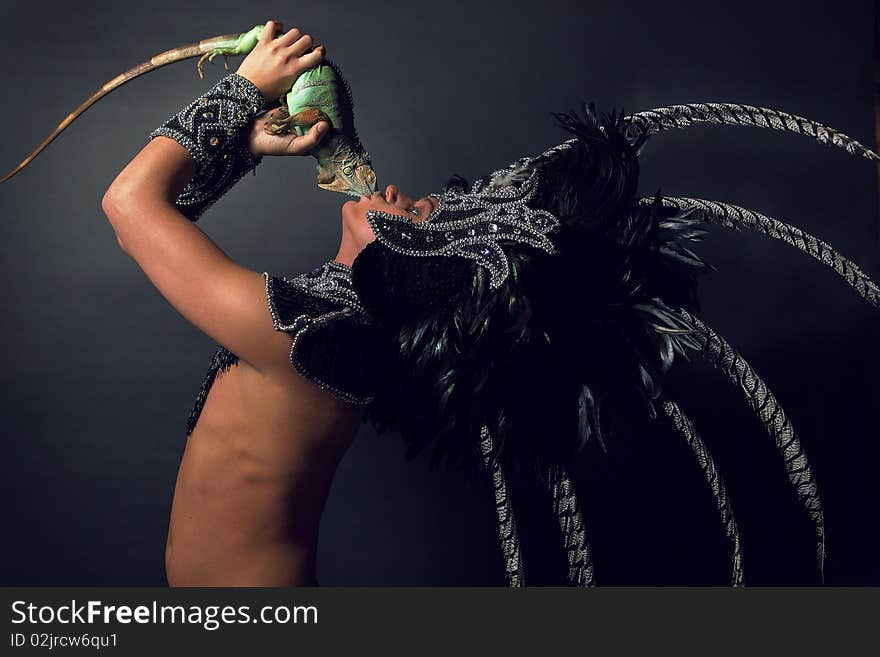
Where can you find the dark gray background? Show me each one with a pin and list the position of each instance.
(101, 372)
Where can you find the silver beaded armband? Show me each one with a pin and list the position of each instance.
(209, 129)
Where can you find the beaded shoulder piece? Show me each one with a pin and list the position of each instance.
(472, 225)
(333, 339)
(332, 333)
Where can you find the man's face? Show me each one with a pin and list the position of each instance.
(392, 201)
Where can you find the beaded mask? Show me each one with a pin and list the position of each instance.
(472, 225)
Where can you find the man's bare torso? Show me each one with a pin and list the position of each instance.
(254, 479)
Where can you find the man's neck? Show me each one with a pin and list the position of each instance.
(348, 250)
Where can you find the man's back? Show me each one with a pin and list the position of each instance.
(254, 479)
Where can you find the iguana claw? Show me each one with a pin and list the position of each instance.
(210, 57)
(199, 65)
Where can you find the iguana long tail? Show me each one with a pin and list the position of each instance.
(226, 44)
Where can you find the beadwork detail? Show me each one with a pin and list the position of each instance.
(221, 361)
(208, 128)
(304, 305)
(472, 225)
(307, 303)
(330, 281)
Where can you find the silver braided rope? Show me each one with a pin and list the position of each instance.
(686, 428)
(734, 216)
(571, 526)
(510, 547)
(650, 122)
(656, 120)
(764, 404)
(557, 150)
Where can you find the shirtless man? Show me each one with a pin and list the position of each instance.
(257, 468)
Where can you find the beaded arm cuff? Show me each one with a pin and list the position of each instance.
(334, 343)
(209, 130)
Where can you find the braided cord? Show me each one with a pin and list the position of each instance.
(764, 404)
(734, 216)
(571, 526)
(686, 428)
(656, 120)
(510, 547)
(641, 125)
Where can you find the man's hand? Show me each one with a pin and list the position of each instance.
(275, 64)
(261, 143)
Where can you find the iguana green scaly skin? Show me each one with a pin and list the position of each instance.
(320, 93)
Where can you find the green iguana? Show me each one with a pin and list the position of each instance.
(320, 93)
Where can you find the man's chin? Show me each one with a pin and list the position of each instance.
(350, 211)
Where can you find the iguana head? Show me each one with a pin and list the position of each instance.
(346, 168)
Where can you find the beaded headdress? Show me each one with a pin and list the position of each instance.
(528, 312)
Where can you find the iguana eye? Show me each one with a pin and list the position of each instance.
(347, 171)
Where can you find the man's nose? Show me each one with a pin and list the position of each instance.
(397, 197)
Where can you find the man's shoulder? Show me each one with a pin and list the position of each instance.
(332, 335)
